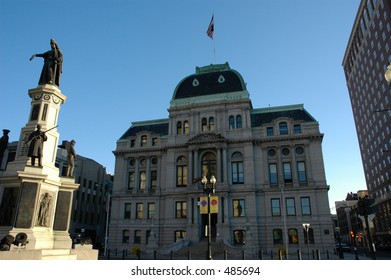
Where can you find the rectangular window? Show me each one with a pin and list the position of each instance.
(137, 236)
(237, 173)
(277, 236)
(127, 212)
(269, 131)
(144, 141)
(151, 210)
(293, 236)
(153, 180)
(287, 172)
(305, 206)
(182, 176)
(273, 173)
(139, 211)
(143, 180)
(290, 206)
(125, 236)
(238, 206)
(297, 129)
(131, 180)
(301, 171)
(154, 141)
(181, 209)
(276, 208)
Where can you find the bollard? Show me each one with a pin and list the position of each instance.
(260, 254)
(317, 254)
(123, 254)
(189, 255)
(108, 254)
(225, 255)
(271, 254)
(280, 254)
(154, 254)
(327, 254)
(243, 254)
(299, 254)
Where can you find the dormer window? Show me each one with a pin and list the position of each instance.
(283, 128)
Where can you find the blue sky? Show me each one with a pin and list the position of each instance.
(123, 59)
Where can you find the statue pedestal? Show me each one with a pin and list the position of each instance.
(36, 201)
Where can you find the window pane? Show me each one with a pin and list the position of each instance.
(270, 131)
(273, 173)
(287, 172)
(290, 207)
(239, 207)
(277, 236)
(143, 180)
(231, 122)
(276, 210)
(305, 206)
(301, 171)
(283, 128)
(238, 121)
(293, 237)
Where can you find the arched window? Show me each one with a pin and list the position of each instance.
(231, 122)
(283, 128)
(239, 237)
(143, 140)
(211, 123)
(238, 121)
(179, 235)
(179, 128)
(209, 165)
(293, 236)
(277, 236)
(204, 124)
(181, 171)
(186, 127)
(237, 168)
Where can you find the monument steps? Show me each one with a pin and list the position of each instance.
(58, 254)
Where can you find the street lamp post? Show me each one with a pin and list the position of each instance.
(209, 189)
(307, 228)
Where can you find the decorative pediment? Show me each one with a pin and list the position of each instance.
(207, 137)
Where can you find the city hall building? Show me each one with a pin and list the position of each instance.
(268, 165)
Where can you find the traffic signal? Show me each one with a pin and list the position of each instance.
(352, 233)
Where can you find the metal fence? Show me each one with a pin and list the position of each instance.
(114, 254)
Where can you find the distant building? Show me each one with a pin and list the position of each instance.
(366, 58)
(89, 214)
(268, 164)
(351, 227)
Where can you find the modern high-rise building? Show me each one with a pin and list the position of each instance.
(268, 165)
(366, 58)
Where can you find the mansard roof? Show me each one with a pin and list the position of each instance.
(268, 115)
(209, 80)
(156, 127)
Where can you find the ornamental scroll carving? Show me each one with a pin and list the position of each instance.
(207, 137)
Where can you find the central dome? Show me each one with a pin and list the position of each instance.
(208, 80)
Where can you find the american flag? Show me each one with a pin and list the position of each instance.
(211, 28)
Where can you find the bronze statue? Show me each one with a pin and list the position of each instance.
(52, 67)
(35, 142)
(3, 144)
(71, 158)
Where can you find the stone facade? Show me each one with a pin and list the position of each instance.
(268, 164)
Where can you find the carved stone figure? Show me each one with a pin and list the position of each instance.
(35, 142)
(52, 67)
(71, 157)
(44, 206)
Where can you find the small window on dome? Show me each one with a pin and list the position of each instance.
(221, 79)
(195, 83)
